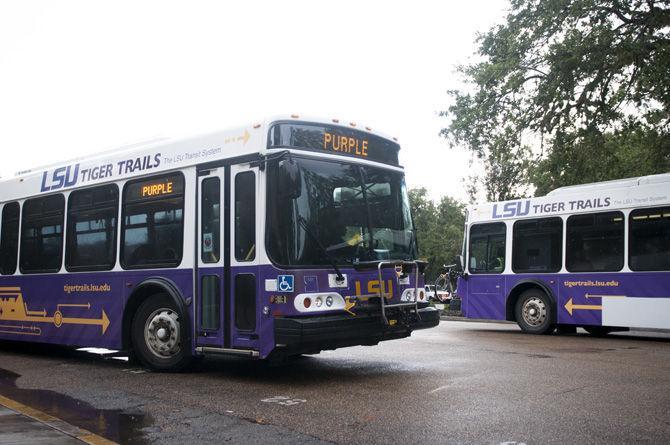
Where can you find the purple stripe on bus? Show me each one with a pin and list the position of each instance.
(86, 309)
(577, 295)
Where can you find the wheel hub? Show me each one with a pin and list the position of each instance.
(534, 311)
(161, 333)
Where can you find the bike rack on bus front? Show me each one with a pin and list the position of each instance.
(382, 297)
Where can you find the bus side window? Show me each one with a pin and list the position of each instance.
(42, 234)
(153, 222)
(487, 248)
(594, 242)
(245, 216)
(91, 228)
(537, 245)
(649, 240)
(9, 238)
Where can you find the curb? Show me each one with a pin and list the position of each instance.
(472, 320)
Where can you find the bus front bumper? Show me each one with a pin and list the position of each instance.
(305, 335)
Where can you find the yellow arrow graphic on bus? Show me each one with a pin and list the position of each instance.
(348, 305)
(244, 137)
(103, 321)
(570, 306)
(13, 308)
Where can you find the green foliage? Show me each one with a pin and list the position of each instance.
(585, 83)
(439, 229)
(630, 151)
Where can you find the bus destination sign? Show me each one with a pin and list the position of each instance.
(345, 144)
(155, 188)
(334, 140)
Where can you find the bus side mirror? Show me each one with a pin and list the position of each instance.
(290, 180)
(460, 265)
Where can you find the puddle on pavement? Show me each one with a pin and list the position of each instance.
(120, 426)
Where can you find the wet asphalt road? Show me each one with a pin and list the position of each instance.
(462, 382)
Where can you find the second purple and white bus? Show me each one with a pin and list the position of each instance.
(594, 255)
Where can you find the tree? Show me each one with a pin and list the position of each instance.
(439, 229)
(566, 92)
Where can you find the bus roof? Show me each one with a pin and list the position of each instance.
(644, 191)
(609, 185)
(156, 155)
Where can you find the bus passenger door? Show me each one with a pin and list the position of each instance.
(210, 310)
(244, 315)
(487, 261)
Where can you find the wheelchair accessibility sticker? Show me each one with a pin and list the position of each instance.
(285, 283)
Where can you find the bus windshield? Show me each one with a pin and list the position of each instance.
(345, 213)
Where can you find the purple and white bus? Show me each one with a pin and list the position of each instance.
(286, 237)
(594, 255)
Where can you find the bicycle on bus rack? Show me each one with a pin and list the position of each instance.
(445, 284)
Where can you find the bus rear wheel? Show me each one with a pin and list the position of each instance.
(160, 341)
(534, 312)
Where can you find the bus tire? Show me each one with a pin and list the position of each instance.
(598, 331)
(534, 312)
(159, 339)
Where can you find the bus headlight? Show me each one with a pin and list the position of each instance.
(316, 302)
(407, 295)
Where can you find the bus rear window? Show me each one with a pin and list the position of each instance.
(153, 222)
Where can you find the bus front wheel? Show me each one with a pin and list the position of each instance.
(158, 335)
(534, 312)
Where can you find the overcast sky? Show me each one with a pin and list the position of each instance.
(77, 77)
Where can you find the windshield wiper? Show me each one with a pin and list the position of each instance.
(364, 191)
(412, 241)
(305, 226)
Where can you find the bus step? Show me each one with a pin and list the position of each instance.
(400, 305)
(226, 351)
